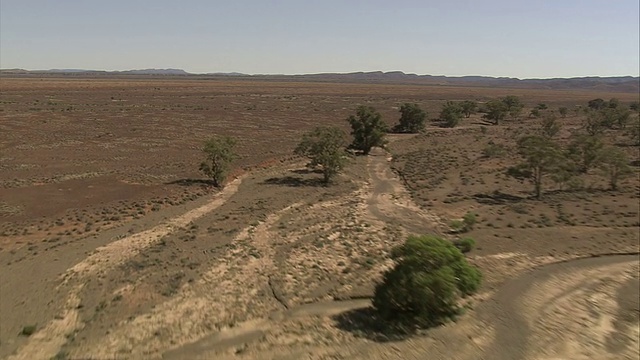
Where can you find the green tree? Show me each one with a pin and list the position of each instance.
(594, 124)
(614, 103)
(468, 107)
(367, 128)
(542, 106)
(614, 164)
(584, 150)
(550, 126)
(634, 132)
(622, 118)
(423, 288)
(412, 119)
(514, 105)
(607, 118)
(324, 146)
(597, 104)
(496, 111)
(541, 157)
(219, 155)
(634, 106)
(451, 114)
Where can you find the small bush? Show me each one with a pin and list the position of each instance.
(469, 220)
(457, 225)
(28, 330)
(494, 150)
(464, 225)
(464, 245)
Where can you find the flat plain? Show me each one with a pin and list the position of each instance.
(112, 246)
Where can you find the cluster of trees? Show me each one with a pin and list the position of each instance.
(431, 274)
(495, 110)
(544, 157)
(453, 111)
(325, 146)
(602, 115)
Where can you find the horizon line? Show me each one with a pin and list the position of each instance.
(312, 73)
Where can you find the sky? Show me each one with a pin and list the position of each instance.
(513, 38)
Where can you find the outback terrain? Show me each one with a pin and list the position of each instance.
(112, 245)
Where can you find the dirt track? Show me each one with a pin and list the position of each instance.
(549, 313)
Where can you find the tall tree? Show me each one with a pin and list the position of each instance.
(541, 157)
(496, 111)
(367, 128)
(514, 105)
(614, 164)
(550, 126)
(324, 146)
(219, 155)
(584, 150)
(468, 107)
(451, 114)
(412, 119)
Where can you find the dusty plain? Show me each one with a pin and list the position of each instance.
(112, 246)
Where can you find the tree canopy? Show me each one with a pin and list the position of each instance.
(324, 146)
(614, 164)
(367, 128)
(423, 287)
(451, 114)
(219, 155)
(541, 157)
(496, 111)
(412, 119)
(468, 107)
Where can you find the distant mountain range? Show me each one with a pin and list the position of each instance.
(618, 83)
(85, 71)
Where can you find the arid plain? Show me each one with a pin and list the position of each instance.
(112, 246)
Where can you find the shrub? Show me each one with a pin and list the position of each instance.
(465, 244)
(494, 150)
(469, 220)
(424, 286)
(457, 225)
(464, 225)
(28, 330)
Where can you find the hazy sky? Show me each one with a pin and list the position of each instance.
(518, 38)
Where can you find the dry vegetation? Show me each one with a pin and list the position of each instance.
(112, 245)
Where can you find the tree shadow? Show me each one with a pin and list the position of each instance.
(294, 181)
(482, 122)
(366, 323)
(191, 182)
(625, 144)
(497, 198)
(307, 171)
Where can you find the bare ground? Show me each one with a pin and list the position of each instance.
(276, 266)
(271, 293)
